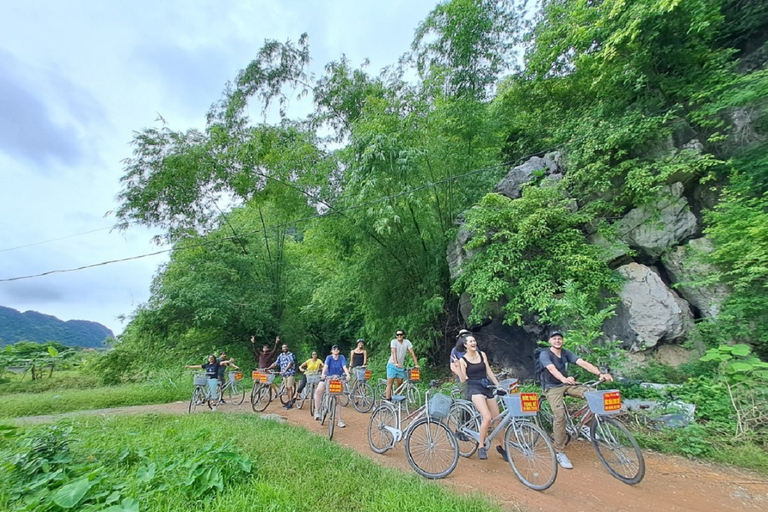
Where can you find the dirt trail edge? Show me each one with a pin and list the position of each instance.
(671, 484)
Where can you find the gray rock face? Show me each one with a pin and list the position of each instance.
(653, 228)
(649, 313)
(511, 185)
(456, 254)
(682, 266)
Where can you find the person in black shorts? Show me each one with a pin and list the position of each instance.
(476, 372)
(359, 356)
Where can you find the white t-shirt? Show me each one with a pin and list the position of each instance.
(401, 350)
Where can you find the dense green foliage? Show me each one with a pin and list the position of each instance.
(33, 326)
(163, 462)
(336, 225)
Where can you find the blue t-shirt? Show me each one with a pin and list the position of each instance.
(335, 366)
(561, 363)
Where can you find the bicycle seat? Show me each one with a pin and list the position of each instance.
(398, 398)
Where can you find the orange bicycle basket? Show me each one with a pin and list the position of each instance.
(335, 387)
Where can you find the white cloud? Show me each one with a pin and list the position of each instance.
(78, 78)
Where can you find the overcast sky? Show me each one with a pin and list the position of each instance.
(78, 77)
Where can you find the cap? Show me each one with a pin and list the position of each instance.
(360, 340)
(556, 333)
(335, 347)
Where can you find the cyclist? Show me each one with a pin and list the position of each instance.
(228, 363)
(313, 365)
(398, 348)
(287, 363)
(556, 384)
(335, 366)
(359, 356)
(476, 372)
(457, 353)
(266, 356)
(211, 367)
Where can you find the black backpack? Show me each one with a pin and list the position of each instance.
(538, 370)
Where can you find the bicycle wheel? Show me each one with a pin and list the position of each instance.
(300, 397)
(331, 416)
(343, 398)
(213, 400)
(617, 449)
(378, 392)
(431, 449)
(198, 397)
(413, 398)
(362, 397)
(236, 393)
(283, 393)
(531, 455)
(261, 399)
(312, 404)
(379, 438)
(324, 407)
(461, 419)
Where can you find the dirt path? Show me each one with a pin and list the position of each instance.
(671, 484)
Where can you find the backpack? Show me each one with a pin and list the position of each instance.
(538, 370)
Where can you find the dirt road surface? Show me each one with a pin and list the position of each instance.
(671, 484)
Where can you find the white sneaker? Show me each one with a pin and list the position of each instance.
(563, 460)
(341, 424)
(213, 408)
(317, 417)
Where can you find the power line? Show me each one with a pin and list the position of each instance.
(288, 223)
(54, 239)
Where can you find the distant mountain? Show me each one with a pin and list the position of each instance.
(33, 326)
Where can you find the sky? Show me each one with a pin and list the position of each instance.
(77, 78)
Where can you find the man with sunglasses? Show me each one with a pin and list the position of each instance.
(399, 347)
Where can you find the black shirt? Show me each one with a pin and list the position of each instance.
(547, 357)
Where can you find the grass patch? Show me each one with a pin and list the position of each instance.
(70, 379)
(54, 402)
(206, 462)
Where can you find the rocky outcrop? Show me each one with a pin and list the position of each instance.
(684, 266)
(653, 228)
(649, 313)
(456, 254)
(549, 167)
(652, 249)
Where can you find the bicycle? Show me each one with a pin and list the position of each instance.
(430, 446)
(528, 448)
(413, 398)
(264, 389)
(334, 388)
(203, 392)
(361, 393)
(308, 393)
(234, 391)
(615, 445)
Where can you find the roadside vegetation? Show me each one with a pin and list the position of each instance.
(164, 462)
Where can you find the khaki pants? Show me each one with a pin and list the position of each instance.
(555, 398)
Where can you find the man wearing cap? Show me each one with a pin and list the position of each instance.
(399, 347)
(335, 366)
(556, 384)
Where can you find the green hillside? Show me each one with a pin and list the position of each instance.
(40, 328)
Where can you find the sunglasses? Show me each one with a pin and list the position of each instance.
(400, 334)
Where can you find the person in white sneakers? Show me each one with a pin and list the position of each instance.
(556, 384)
(335, 366)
